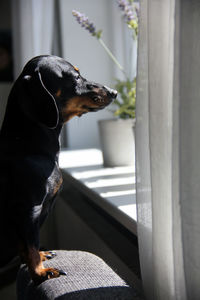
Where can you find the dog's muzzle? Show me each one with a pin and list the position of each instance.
(112, 93)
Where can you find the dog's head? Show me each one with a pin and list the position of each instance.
(54, 91)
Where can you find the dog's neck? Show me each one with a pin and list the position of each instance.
(24, 137)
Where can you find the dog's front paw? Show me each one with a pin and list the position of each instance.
(53, 273)
(45, 255)
(47, 273)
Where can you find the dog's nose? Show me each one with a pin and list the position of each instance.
(112, 93)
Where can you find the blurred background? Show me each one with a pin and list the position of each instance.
(34, 27)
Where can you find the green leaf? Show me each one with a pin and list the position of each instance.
(126, 98)
(98, 34)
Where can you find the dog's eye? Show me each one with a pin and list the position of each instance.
(95, 99)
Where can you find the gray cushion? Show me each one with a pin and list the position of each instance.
(88, 277)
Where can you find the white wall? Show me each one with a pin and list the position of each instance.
(85, 52)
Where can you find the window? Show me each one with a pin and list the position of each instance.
(112, 189)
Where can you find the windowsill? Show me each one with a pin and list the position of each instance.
(113, 189)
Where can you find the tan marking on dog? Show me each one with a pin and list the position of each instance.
(74, 107)
(57, 185)
(34, 262)
(36, 268)
(58, 93)
(76, 69)
(43, 255)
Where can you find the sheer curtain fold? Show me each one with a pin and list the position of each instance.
(32, 27)
(167, 143)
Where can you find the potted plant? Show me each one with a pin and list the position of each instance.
(116, 135)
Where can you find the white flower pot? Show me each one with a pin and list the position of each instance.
(118, 142)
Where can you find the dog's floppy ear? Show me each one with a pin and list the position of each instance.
(37, 102)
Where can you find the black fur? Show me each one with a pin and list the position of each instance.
(38, 105)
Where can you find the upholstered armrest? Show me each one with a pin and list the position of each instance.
(88, 277)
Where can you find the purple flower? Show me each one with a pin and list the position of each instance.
(128, 10)
(85, 23)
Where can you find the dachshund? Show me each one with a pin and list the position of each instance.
(49, 92)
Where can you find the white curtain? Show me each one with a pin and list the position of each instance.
(32, 28)
(167, 148)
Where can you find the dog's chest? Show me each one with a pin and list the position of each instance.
(54, 181)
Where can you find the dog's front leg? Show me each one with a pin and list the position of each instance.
(34, 260)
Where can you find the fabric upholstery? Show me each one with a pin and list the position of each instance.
(88, 277)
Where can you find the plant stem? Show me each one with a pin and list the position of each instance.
(112, 56)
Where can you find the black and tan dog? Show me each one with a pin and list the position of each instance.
(48, 93)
